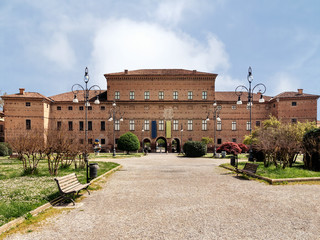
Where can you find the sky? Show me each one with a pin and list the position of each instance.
(46, 45)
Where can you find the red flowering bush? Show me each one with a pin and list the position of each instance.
(230, 148)
(244, 148)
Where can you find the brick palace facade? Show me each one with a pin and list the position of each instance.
(155, 104)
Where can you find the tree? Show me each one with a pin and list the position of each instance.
(194, 149)
(230, 148)
(1, 100)
(244, 148)
(311, 145)
(128, 142)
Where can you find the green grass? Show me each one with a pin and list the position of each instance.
(20, 194)
(297, 171)
(118, 155)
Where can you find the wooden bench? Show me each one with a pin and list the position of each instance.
(248, 168)
(69, 185)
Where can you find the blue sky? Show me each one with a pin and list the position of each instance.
(46, 45)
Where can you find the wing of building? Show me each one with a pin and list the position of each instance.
(154, 104)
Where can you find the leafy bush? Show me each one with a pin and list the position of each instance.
(311, 145)
(128, 142)
(194, 149)
(230, 148)
(3, 150)
(244, 148)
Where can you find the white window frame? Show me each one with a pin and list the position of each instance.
(234, 126)
(146, 95)
(175, 125)
(204, 95)
(204, 125)
(117, 125)
(131, 95)
(190, 95)
(161, 125)
(131, 125)
(146, 125)
(248, 127)
(117, 95)
(161, 95)
(190, 125)
(175, 95)
(219, 126)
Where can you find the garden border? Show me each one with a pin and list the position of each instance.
(279, 180)
(40, 209)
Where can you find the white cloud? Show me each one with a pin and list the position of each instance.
(225, 82)
(126, 44)
(59, 51)
(282, 82)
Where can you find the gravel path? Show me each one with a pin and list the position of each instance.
(162, 196)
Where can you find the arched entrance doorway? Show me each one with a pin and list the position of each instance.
(175, 145)
(161, 145)
(146, 143)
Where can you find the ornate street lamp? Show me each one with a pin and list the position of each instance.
(142, 132)
(181, 130)
(76, 88)
(115, 115)
(216, 118)
(261, 89)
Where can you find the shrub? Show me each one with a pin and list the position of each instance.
(311, 145)
(244, 148)
(3, 150)
(128, 142)
(230, 148)
(194, 149)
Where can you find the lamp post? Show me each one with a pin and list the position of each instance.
(216, 118)
(75, 89)
(114, 111)
(261, 89)
(181, 130)
(142, 132)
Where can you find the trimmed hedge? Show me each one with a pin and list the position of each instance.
(128, 142)
(194, 149)
(4, 151)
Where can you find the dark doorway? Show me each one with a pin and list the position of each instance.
(161, 145)
(175, 146)
(146, 144)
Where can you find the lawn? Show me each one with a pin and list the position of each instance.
(297, 171)
(20, 194)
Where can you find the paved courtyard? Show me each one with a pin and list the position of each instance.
(163, 196)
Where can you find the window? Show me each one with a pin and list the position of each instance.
(70, 125)
(233, 107)
(234, 140)
(116, 95)
(294, 120)
(189, 125)
(234, 126)
(59, 125)
(58, 108)
(161, 95)
(204, 125)
(219, 107)
(102, 108)
(175, 125)
(131, 95)
(146, 95)
(89, 108)
(28, 124)
(28, 104)
(103, 141)
(89, 125)
(81, 126)
(81, 141)
(90, 140)
(70, 108)
(131, 125)
(81, 108)
(248, 126)
(175, 95)
(219, 141)
(248, 106)
(294, 104)
(102, 125)
(146, 125)
(219, 126)
(116, 125)
(161, 125)
(190, 95)
(204, 95)
(258, 123)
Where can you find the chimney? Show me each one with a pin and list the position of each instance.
(126, 71)
(300, 91)
(194, 71)
(21, 91)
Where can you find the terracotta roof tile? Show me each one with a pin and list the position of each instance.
(68, 96)
(160, 72)
(294, 95)
(34, 95)
(231, 96)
